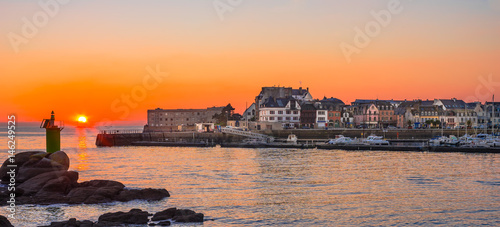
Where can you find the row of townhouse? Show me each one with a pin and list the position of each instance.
(285, 107)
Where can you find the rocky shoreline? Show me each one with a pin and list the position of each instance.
(132, 217)
(43, 178)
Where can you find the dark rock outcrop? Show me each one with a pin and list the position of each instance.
(64, 179)
(32, 163)
(143, 194)
(43, 178)
(74, 223)
(162, 223)
(134, 216)
(4, 222)
(178, 215)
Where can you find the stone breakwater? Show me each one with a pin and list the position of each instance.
(43, 178)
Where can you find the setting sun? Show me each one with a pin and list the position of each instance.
(82, 119)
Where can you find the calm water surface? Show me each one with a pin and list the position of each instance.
(286, 187)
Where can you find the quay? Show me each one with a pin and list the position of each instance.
(196, 139)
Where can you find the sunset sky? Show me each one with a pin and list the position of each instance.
(82, 57)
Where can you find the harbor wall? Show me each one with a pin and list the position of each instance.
(359, 133)
(126, 139)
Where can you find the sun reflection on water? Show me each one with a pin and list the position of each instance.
(82, 150)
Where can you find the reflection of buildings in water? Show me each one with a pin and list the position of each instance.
(82, 149)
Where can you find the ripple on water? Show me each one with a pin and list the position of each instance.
(256, 187)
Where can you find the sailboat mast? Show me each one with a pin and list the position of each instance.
(492, 113)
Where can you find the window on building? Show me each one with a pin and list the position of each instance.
(287, 118)
(288, 112)
(295, 112)
(280, 118)
(280, 112)
(187, 119)
(295, 118)
(271, 118)
(271, 112)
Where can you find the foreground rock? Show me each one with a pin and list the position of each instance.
(178, 215)
(74, 223)
(4, 222)
(43, 178)
(136, 217)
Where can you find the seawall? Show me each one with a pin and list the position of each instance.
(360, 133)
(126, 139)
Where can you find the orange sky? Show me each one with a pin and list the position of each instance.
(90, 54)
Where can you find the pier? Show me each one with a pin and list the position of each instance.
(197, 139)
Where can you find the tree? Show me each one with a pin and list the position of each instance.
(222, 117)
(429, 122)
(437, 123)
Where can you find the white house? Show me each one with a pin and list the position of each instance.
(249, 113)
(457, 112)
(321, 117)
(280, 110)
(302, 95)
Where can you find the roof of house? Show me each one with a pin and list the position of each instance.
(332, 100)
(453, 103)
(364, 101)
(427, 103)
(307, 106)
(400, 111)
(300, 91)
(276, 102)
